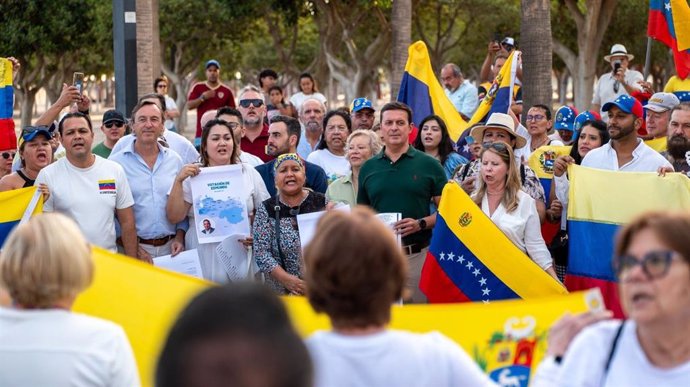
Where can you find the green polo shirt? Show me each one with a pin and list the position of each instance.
(406, 186)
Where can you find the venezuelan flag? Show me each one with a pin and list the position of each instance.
(499, 97)
(6, 97)
(541, 162)
(14, 204)
(669, 23)
(420, 90)
(470, 259)
(594, 219)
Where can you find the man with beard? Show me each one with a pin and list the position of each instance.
(311, 116)
(625, 152)
(209, 95)
(678, 142)
(284, 136)
(659, 109)
(253, 109)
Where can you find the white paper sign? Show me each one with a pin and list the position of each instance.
(306, 223)
(220, 203)
(186, 262)
(234, 257)
(390, 218)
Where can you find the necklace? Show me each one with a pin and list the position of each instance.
(533, 148)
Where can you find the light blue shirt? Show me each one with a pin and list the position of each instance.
(464, 98)
(150, 189)
(304, 148)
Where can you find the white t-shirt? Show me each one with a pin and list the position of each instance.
(250, 159)
(169, 105)
(58, 348)
(584, 362)
(392, 358)
(522, 227)
(211, 266)
(299, 98)
(178, 143)
(645, 159)
(604, 89)
(335, 166)
(89, 196)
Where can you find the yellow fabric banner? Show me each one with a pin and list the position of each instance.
(145, 301)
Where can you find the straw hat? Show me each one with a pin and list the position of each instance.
(618, 50)
(499, 121)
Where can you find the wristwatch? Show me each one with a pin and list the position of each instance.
(422, 223)
(202, 98)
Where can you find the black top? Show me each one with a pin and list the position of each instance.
(27, 182)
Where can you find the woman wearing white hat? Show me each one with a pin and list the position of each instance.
(619, 81)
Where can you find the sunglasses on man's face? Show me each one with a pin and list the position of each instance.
(8, 155)
(245, 103)
(119, 124)
(507, 47)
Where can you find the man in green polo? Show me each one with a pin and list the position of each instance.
(404, 180)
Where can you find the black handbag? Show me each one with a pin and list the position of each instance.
(559, 248)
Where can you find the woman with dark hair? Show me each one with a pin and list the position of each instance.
(234, 335)
(161, 86)
(217, 148)
(277, 246)
(652, 347)
(307, 89)
(355, 272)
(592, 135)
(434, 140)
(277, 104)
(330, 151)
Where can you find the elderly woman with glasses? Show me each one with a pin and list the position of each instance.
(277, 246)
(652, 347)
(35, 153)
(501, 198)
(330, 152)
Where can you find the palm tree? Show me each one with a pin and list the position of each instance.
(535, 43)
(401, 23)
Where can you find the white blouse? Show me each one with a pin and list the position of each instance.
(522, 227)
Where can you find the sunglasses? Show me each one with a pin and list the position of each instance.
(162, 86)
(499, 146)
(245, 103)
(8, 155)
(655, 264)
(536, 117)
(119, 124)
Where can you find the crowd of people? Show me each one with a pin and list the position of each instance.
(132, 193)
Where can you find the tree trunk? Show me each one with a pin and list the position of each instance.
(563, 87)
(401, 23)
(590, 33)
(27, 106)
(535, 37)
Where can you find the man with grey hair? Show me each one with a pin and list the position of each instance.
(251, 105)
(658, 110)
(460, 91)
(311, 117)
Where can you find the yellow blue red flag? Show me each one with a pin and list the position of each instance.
(499, 97)
(594, 218)
(420, 90)
(668, 22)
(541, 162)
(470, 259)
(8, 139)
(13, 205)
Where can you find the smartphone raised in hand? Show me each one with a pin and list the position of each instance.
(78, 81)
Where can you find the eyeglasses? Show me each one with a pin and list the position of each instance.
(536, 117)
(233, 125)
(8, 155)
(162, 86)
(655, 264)
(254, 102)
(119, 124)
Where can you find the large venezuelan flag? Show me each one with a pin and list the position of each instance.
(6, 97)
(541, 162)
(470, 259)
(599, 203)
(669, 23)
(13, 205)
(420, 90)
(500, 96)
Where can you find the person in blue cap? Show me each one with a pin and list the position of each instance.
(565, 124)
(362, 113)
(35, 153)
(209, 95)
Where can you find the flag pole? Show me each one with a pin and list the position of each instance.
(648, 58)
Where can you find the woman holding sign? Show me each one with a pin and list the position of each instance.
(217, 148)
(277, 246)
(501, 198)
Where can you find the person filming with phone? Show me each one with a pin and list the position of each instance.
(621, 80)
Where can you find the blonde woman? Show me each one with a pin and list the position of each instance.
(514, 212)
(45, 263)
(361, 145)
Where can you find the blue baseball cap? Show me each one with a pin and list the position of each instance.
(212, 62)
(627, 104)
(584, 117)
(361, 103)
(30, 132)
(565, 118)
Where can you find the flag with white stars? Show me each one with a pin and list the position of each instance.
(470, 259)
(668, 24)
